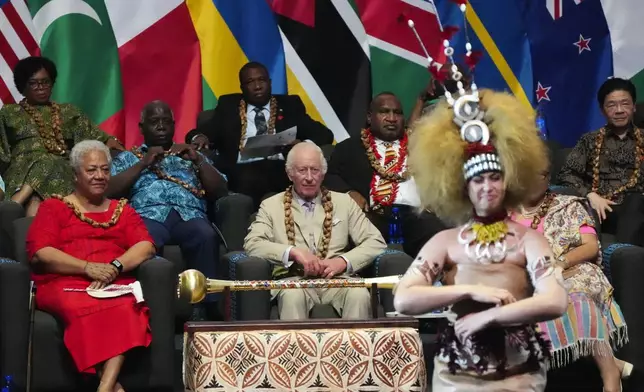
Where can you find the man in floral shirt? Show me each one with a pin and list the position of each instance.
(168, 184)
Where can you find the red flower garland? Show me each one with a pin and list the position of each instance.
(397, 169)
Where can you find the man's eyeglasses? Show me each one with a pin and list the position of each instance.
(35, 84)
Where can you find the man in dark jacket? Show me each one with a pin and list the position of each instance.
(256, 111)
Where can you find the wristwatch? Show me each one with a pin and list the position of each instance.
(116, 263)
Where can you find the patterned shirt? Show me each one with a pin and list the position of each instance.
(616, 165)
(154, 198)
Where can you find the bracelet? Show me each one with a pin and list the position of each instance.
(562, 261)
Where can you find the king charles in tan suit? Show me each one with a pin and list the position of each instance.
(322, 224)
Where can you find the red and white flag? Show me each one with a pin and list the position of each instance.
(16, 42)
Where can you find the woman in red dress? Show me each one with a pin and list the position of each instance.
(82, 241)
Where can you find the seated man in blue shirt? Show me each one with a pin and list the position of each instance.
(168, 185)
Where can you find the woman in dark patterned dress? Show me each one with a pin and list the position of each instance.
(37, 134)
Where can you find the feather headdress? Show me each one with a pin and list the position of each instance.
(470, 133)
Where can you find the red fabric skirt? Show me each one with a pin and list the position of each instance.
(95, 329)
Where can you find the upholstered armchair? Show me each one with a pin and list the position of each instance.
(9, 212)
(257, 305)
(52, 366)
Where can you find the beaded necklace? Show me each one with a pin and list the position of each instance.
(103, 225)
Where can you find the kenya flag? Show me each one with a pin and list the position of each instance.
(398, 62)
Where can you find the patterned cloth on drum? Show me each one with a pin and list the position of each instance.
(297, 358)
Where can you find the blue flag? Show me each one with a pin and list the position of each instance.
(571, 58)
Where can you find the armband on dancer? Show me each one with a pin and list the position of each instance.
(542, 267)
(429, 270)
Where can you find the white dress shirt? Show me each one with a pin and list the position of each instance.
(251, 130)
(407, 192)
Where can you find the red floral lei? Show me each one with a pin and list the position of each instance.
(395, 177)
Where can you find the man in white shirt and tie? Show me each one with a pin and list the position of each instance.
(372, 169)
(256, 111)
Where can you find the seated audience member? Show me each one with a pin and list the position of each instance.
(256, 111)
(373, 170)
(605, 165)
(593, 323)
(86, 240)
(37, 134)
(168, 185)
(306, 231)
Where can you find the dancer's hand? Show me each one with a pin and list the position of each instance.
(467, 326)
(491, 295)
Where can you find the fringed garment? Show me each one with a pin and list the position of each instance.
(509, 359)
(593, 323)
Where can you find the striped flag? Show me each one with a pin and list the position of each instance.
(398, 62)
(17, 41)
(326, 47)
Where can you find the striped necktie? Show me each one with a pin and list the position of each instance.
(384, 188)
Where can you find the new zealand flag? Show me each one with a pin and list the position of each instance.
(571, 57)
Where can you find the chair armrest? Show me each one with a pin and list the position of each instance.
(627, 267)
(611, 252)
(14, 320)
(249, 305)
(231, 217)
(390, 262)
(20, 230)
(159, 281)
(9, 212)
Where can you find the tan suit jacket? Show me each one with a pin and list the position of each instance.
(267, 234)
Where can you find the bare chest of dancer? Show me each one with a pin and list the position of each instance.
(510, 274)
